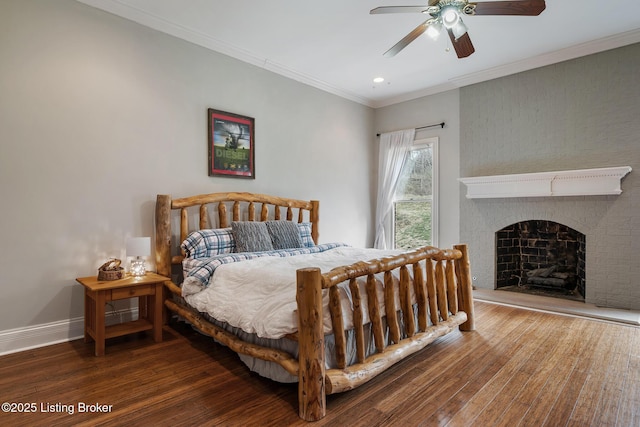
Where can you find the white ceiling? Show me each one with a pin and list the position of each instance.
(337, 46)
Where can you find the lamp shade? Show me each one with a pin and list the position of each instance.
(139, 246)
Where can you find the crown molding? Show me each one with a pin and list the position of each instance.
(572, 52)
(149, 20)
(118, 8)
(432, 90)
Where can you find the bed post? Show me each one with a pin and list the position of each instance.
(314, 219)
(311, 369)
(466, 288)
(163, 235)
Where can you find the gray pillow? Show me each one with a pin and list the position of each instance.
(251, 236)
(284, 234)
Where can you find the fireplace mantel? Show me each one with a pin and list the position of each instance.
(583, 182)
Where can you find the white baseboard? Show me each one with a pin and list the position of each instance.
(21, 339)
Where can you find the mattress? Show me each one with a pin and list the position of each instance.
(254, 298)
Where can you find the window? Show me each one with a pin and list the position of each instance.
(415, 201)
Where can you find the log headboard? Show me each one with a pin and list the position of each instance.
(229, 207)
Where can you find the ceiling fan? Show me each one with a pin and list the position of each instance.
(447, 14)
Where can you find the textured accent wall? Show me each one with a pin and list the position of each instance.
(582, 113)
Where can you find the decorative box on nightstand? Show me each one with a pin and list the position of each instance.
(148, 290)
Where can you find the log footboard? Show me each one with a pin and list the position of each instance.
(443, 294)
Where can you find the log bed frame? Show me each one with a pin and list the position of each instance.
(442, 287)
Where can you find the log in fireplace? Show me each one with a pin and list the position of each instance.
(541, 257)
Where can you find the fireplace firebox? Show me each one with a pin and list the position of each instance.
(541, 257)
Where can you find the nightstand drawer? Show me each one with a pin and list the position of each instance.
(134, 291)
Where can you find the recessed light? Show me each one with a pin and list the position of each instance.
(378, 80)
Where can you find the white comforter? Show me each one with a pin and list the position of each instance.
(259, 295)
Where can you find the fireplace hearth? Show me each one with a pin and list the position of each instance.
(541, 257)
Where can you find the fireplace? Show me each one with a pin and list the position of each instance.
(588, 201)
(541, 257)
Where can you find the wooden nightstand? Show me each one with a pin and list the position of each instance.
(148, 290)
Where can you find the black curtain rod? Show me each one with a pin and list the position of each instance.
(426, 127)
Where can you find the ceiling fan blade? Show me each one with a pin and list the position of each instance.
(398, 9)
(462, 45)
(524, 7)
(419, 30)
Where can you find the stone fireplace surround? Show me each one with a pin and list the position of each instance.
(603, 219)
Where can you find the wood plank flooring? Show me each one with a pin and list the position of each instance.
(520, 368)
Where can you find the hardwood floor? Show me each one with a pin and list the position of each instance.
(519, 368)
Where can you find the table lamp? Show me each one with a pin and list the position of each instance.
(138, 247)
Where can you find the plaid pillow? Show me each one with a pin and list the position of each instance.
(208, 243)
(305, 234)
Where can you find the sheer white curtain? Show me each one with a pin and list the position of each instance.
(394, 147)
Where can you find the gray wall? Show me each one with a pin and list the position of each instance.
(573, 115)
(98, 115)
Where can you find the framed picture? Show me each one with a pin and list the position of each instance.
(231, 145)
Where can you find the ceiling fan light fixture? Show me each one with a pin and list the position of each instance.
(450, 17)
(434, 29)
(459, 29)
